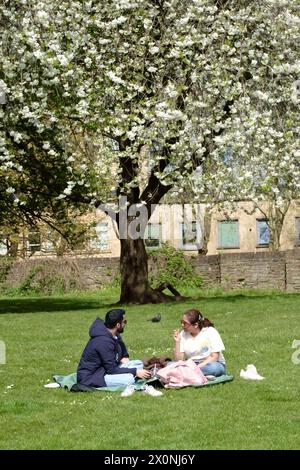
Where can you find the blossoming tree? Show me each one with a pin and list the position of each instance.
(123, 99)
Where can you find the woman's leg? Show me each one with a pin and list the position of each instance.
(214, 368)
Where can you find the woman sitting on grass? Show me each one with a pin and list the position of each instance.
(201, 342)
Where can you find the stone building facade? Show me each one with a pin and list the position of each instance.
(191, 228)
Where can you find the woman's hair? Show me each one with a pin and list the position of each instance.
(195, 316)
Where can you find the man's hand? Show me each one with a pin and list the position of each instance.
(143, 374)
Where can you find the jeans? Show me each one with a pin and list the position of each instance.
(120, 380)
(214, 368)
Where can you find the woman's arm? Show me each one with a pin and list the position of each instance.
(178, 356)
(213, 357)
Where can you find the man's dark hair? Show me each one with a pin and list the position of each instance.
(113, 317)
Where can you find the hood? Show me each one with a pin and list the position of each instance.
(98, 328)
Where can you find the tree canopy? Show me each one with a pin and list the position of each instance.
(129, 97)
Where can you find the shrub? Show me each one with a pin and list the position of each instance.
(5, 265)
(167, 264)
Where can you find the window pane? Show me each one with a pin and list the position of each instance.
(100, 240)
(228, 234)
(297, 231)
(3, 245)
(34, 241)
(190, 235)
(152, 235)
(48, 246)
(263, 232)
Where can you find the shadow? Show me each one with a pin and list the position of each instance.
(51, 304)
(60, 304)
(238, 297)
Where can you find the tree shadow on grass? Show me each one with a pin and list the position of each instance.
(51, 304)
(231, 298)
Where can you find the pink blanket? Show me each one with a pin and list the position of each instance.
(181, 374)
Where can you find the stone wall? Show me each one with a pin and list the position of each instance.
(208, 267)
(293, 271)
(79, 273)
(265, 270)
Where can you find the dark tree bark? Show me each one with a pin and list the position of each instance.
(135, 287)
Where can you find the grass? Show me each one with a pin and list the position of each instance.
(44, 336)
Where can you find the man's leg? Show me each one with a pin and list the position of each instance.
(120, 380)
(131, 364)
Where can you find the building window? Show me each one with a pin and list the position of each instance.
(263, 232)
(228, 234)
(34, 241)
(297, 231)
(152, 235)
(100, 240)
(48, 246)
(190, 236)
(3, 245)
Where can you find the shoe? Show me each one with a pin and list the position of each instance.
(250, 373)
(129, 390)
(52, 385)
(150, 390)
(251, 368)
(211, 377)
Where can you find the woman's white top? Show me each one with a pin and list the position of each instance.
(201, 346)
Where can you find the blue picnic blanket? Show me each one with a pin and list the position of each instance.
(68, 381)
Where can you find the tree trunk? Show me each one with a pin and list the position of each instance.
(135, 287)
(206, 232)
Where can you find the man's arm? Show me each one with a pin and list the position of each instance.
(107, 352)
(124, 360)
(125, 354)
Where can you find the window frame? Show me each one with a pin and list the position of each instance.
(94, 242)
(147, 238)
(221, 223)
(258, 244)
(198, 236)
(33, 247)
(297, 231)
(3, 245)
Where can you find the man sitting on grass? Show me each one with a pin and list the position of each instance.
(105, 360)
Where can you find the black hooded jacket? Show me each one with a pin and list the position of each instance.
(101, 356)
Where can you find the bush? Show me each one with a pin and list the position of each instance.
(38, 282)
(44, 278)
(170, 265)
(5, 265)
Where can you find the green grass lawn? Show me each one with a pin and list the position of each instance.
(45, 336)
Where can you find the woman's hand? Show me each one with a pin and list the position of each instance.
(178, 356)
(176, 336)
